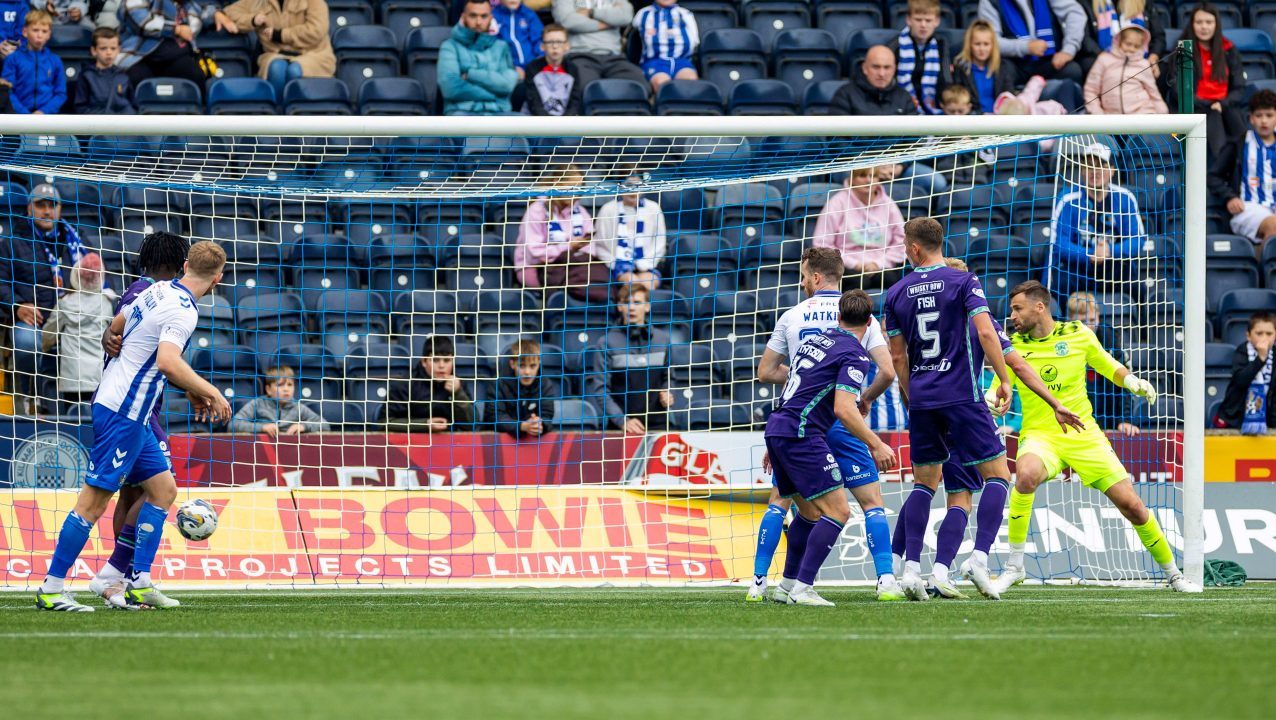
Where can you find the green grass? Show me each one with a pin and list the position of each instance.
(1045, 652)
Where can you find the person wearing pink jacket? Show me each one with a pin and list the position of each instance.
(865, 226)
(554, 231)
(1121, 81)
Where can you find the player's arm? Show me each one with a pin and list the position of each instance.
(846, 407)
(1112, 369)
(899, 358)
(991, 345)
(169, 360)
(1031, 380)
(771, 368)
(885, 374)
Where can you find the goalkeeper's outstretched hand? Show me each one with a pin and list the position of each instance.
(1068, 419)
(1141, 387)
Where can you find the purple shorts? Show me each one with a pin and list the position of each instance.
(803, 466)
(969, 426)
(958, 477)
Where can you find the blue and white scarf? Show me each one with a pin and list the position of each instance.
(75, 247)
(930, 71)
(1042, 25)
(1255, 422)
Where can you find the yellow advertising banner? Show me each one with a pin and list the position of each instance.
(1238, 458)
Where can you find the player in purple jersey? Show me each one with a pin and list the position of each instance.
(160, 257)
(930, 315)
(826, 380)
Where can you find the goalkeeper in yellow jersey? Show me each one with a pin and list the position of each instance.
(1060, 352)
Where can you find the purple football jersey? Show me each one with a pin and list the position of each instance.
(127, 298)
(931, 308)
(832, 359)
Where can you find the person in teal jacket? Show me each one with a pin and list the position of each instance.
(476, 74)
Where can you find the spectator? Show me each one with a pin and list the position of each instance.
(631, 238)
(669, 39)
(525, 402)
(31, 279)
(1220, 78)
(13, 17)
(476, 75)
(874, 90)
(1028, 101)
(103, 88)
(970, 168)
(923, 58)
(1110, 17)
(105, 13)
(433, 398)
(629, 367)
(69, 12)
(1095, 226)
(980, 66)
(556, 247)
(1113, 409)
(1045, 35)
(1247, 404)
(1121, 81)
(157, 39)
(520, 27)
(552, 84)
(865, 226)
(594, 27)
(279, 413)
(75, 328)
(293, 37)
(37, 76)
(1243, 177)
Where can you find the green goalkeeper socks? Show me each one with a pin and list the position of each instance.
(1153, 539)
(1020, 516)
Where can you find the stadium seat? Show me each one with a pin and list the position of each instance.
(1001, 261)
(40, 145)
(216, 325)
(1258, 52)
(400, 263)
(509, 312)
(233, 370)
(727, 315)
(82, 203)
(1262, 16)
(690, 365)
(1218, 370)
(672, 311)
(318, 373)
(404, 16)
(731, 56)
(241, 96)
(269, 321)
(843, 18)
(806, 202)
(71, 42)
(768, 18)
(735, 361)
(689, 97)
(1229, 265)
(758, 398)
(425, 312)
(1234, 309)
(858, 44)
(975, 212)
(324, 262)
(805, 56)
(1033, 212)
(421, 55)
(577, 415)
(392, 96)
(818, 96)
(713, 14)
(235, 54)
(317, 96)
(168, 96)
(772, 266)
(343, 13)
(1065, 92)
(340, 415)
(617, 97)
(684, 209)
(481, 265)
(562, 310)
(703, 265)
(365, 52)
(762, 97)
(356, 313)
(750, 214)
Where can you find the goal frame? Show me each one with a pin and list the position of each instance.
(1190, 127)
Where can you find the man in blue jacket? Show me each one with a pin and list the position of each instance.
(1096, 230)
(37, 75)
(519, 26)
(476, 75)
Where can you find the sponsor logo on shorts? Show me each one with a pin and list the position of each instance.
(49, 459)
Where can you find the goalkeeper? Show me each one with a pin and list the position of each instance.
(1060, 352)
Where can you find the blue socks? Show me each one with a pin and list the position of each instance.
(877, 533)
(799, 531)
(71, 541)
(949, 536)
(150, 529)
(769, 531)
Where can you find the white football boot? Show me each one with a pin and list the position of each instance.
(914, 587)
(1010, 576)
(1180, 583)
(978, 575)
(808, 597)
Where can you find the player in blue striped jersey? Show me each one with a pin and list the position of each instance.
(156, 328)
(669, 39)
(1243, 176)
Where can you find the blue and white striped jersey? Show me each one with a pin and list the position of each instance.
(131, 383)
(668, 33)
(812, 317)
(1258, 171)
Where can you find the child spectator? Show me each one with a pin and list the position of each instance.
(278, 413)
(520, 27)
(103, 88)
(525, 402)
(631, 238)
(1109, 18)
(964, 169)
(669, 39)
(980, 66)
(1121, 81)
(556, 247)
(1028, 101)
(922, 57)
(1247, 404)
(433, 398)
(866, 227)
(39, 81)
(69, 12)
(552, 85)
(76, 326)
(1220, 77)
(1243, 176)
(628, 369)
(13, 16)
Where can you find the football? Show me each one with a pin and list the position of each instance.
(196, 519)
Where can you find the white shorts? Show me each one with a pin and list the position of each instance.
(1247, 221)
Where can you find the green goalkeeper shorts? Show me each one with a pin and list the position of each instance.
(1088, 453)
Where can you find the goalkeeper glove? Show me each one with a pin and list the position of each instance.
(1140, 387)
(990, 399)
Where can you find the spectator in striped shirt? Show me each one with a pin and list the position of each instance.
(1243, 176)
(669, 39)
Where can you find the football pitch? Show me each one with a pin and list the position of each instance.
(1056, 652)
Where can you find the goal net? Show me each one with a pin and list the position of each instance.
(524, 353)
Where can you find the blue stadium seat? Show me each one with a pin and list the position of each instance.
(564, 311)
(177, 415)
(1258, 52)
(252, 265)
(818, 96)
(769, 18)
(400, 263)
(806, 202)
(689, 97)
(757, 397)
(324, 262)
(421, 54)
(1235, 307)
(845, 17)
(38, 145)
(393, 96)
(732, 55)
(672, 311)
(1218, 370)
(317, 96)
(168, 96)
(404, 16)
(750, 214)
(318, 372)
(684, 209)
(858, 44)
(241, 96)
(735, 361)
(269, 321)
(481, 265)
(577, 415)
(233, 370)
(690, 365)
(773, 266)
(1001, 262)
(1229, 265)
(1033, 211)
(713, 14)
(805, 56)
(82, 203)
(222, 229)
(72, 43)
(341, 415)
(762, 97)
(1262, 16)
(426, 312)
(703, 265)
(365, 52)
(508, 312)
(235, 54)
(976, 212)
(470, 363)
(730, 314)
(617, 97)
(1269, 265)
(343, 13)
(353, 311)
(216, 326)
